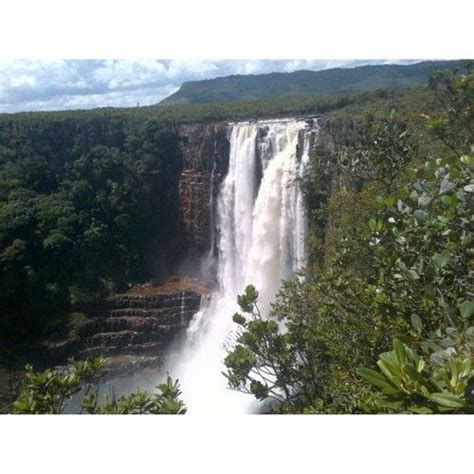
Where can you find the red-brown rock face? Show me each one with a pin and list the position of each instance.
(205, 154)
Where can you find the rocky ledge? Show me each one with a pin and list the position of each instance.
(135, 327)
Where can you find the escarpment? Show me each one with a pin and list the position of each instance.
(195, 167)
(204, 151)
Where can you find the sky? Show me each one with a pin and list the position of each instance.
(28, 85)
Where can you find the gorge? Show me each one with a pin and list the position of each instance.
(254, 232)
(245, 226)
(129, 234)
(229, 213)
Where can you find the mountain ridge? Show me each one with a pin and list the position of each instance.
(306, 83)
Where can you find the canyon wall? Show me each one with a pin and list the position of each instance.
(204, 154)
(184, 165)
(136, 326)
(195, 167)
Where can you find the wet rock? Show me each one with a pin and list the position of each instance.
(204, 150)
(141, 322)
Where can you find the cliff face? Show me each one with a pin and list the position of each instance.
(181, 195)
(134, 328)
(143, 322)
(193, 168)
(204, 150)
(137, 324)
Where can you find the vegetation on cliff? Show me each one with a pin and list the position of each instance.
(82, 206)
(383, 319)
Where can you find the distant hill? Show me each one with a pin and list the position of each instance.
(306, 83)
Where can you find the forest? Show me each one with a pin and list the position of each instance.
(381, 320)
(82, 204)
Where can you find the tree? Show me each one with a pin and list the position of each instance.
(453, 93)
(424, 251)
(402, 282)
(303, 356)
(379, 152)
(48, 392)
(417, 287)
(442, 382)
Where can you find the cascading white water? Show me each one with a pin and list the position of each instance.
(261, 233)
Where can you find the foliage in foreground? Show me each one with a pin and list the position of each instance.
(386, 325)
(408, 382)
(49, 391)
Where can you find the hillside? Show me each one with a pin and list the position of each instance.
(305, 83)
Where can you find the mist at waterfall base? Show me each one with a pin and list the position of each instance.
(260, 236)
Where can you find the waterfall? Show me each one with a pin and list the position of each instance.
(182, 308)
(260, 237)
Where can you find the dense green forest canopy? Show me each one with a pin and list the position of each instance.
(202, 113)
(306, 83)
(84, 200)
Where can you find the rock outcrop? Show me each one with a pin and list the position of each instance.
(137, 324)
(204, 150)
(135, 327)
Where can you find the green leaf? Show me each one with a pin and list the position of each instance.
(388, 363)
(400, 264)
(465, 368)
(239, 319)
(420, 216)
(468, 160)
(420, 410)
(416, 323)
(448, 400)
(400, 351)
(372, 224)
(450, 201)
(442, 259)
(412, 275)
(446, 186)
(386, 404)
(424, 200)
(466, 309)
(377, 380)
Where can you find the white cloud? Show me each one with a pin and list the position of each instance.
(109, 99)
(191, 67)
(65, 84)
(128, 73)
(23, 80)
